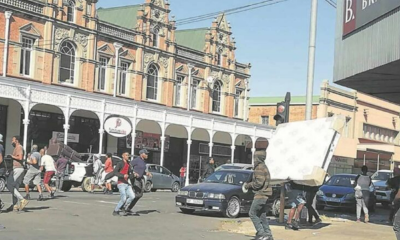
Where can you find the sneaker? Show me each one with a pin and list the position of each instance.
(28, 197)
(358, 220)
(124, 212)
(15, 208)
(296, 224)
(40, 198)
(23, 204)
(1, 205)
(110, 193)
(366, 220)
(60, 191)
(115, 213)
(318, 221)
(52, 194)
(291, 226)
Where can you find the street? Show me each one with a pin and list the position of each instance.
(78, 215)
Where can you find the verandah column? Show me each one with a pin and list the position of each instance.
(189, 144)
(101, 130)
(66, 122)
(162, 138)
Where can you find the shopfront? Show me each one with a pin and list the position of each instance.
(341, 165)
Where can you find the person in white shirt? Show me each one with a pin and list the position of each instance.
(97, 173)
(48, 164)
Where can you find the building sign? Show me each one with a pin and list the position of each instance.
(150, 141)
(72, 137)
(117, 126)
(342, 160)
(358, 13)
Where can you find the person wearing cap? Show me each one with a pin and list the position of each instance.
(1, 164)
(97, 172)
(262, 189)
(33, 173)
(138, 166)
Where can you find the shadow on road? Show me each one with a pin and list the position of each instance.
(30, 209)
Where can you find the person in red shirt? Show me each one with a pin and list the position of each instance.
(108, 167)
(123, 172)
(183, 175)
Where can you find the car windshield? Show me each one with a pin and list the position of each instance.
(228, 167)
(226, 177)
(381, 176)
(341, 181)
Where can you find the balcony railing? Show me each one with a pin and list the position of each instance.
(113, 31)
(28, 6)
(191, 55)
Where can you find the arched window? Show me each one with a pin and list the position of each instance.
(71, 11)
(67, 62)
(216, 97)
(152, 82)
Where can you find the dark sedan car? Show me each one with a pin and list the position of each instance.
(338, 192)
(220, 192)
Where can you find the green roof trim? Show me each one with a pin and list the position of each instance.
(274, 100)
(192, 38)
(125, 16)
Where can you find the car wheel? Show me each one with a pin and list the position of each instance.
(153, 190)
(148, 186)
(2, 184)
(175, 187)
(320, 207)
(187, 211)
(233, 208)
(86, 184)
(276, 208)
(66, 186)
(385, 204)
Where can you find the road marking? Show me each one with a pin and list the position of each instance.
(108, 202)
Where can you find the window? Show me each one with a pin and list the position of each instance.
(26, 52)
(67, 62)
(380, 134)
(101, 84)
(265, 120)
(237, 101)
(122, 78)
(195, 85)
(216, 97)
(219, 59)
(71, 11)
(152, 82)
(178, 90)
(89, 9)
(346, 127)
(155, 37)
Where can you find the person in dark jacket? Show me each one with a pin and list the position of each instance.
(122, 171)
(394, 184)
(210, 168)
(262, 190)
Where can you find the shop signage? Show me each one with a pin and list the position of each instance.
(358, 13)
(343, 160)
(72, 137)
(150, 141)
(117, 126)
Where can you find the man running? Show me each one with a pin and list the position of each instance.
(34, 173)
(97, 171)
(2, 165)
(108, 167)
(122, 171)
(48, 164)
(139, 170)
(16, 176)
(61, 165)
(262, 190)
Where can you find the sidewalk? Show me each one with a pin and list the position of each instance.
(330, 229)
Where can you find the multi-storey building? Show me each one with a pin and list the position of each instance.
(68, 66)
(371, 133)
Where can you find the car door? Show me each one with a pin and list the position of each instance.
(157, 178)
(247, 198)
(166, 177)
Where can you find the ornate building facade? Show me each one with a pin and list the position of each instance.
(68, 61)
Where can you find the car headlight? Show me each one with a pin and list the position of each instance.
(183, 193)
(351, 196)
(320, 193)
(216, 196)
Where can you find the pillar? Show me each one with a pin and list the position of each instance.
(253, 149)
(26, 118)
(364, 159)
(377, 164)
(162, 138)
(66, 117)
(233, 137)
(189, 94)
(101, 130)
(117, 46)
(210, 146)
(189, 144)
(7, 16)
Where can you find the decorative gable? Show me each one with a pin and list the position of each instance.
(222, 23)
(127, 55)
(29, 29)
(105, 49)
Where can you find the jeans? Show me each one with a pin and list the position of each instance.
(125, 191)
(258, 215)
(60, 180)
(183, 180)
(14, 180)
(309, 204)
(138, 188)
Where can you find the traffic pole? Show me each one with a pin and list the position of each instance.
(311, 58)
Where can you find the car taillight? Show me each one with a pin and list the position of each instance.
(71, 169)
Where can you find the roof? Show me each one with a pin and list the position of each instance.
(274, 100)
(125, 16)
(192, 38)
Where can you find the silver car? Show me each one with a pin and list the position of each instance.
(379, 179)
(162, 179)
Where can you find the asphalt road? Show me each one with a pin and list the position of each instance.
(78, 215)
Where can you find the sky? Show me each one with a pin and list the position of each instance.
(274, 39)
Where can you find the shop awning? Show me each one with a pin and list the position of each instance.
(378, 148)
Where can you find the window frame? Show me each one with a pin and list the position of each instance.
(236, 109)
(178, 90)
(24, 50)
(71, 11)
(263, 118)
(216, 108)
(72, 67)
(195, 86)
(123, 75)
(156, 38)
(155, 78)
(102, 67)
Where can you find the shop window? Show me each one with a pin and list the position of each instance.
(265, 120)
(101, 83)
(216, 97)
(26, 53)
(71, 11)
(152, 82)
(67, 62)
(178, 90)
(195, 86)
(123, 78)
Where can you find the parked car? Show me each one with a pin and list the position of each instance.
(379, 179)
(162, 179)
(235, 166)
(338, 192)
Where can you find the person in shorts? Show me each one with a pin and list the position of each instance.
(48, 164)
(108, 167)
(295, 194)
(34, 173)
